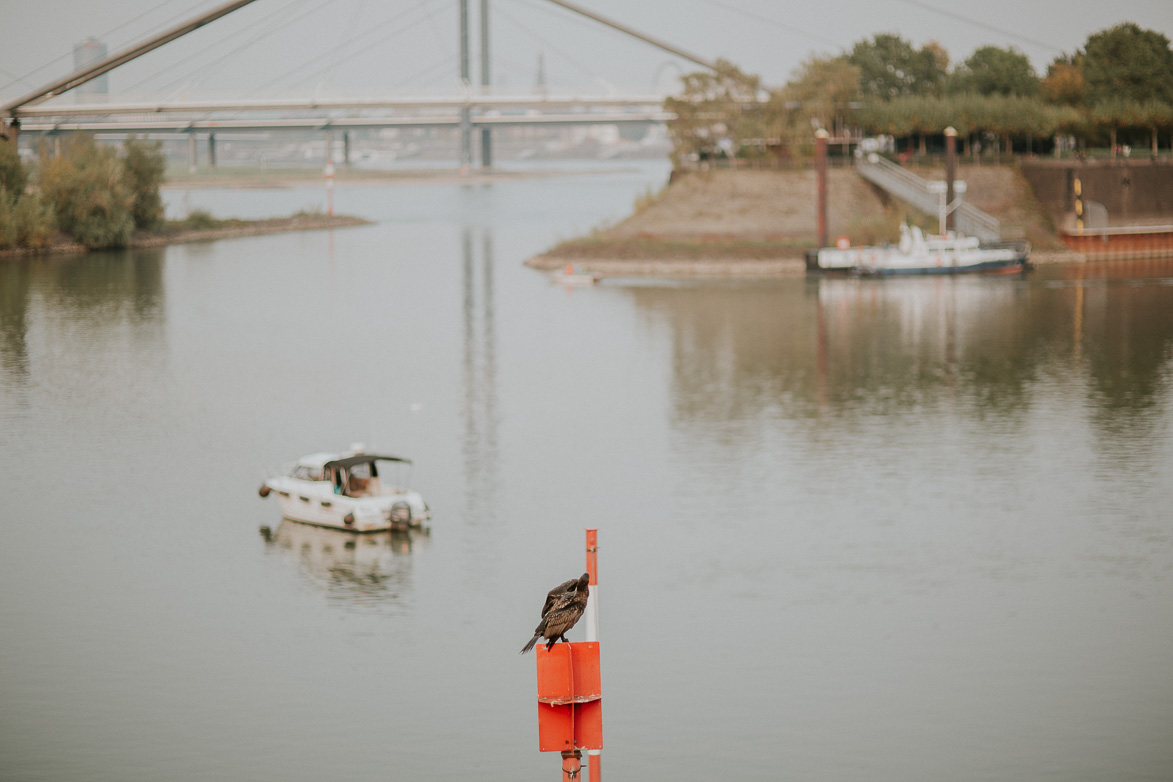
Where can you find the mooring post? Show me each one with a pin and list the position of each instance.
(950, 175)
(821, 169)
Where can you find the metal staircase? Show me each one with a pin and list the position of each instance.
(917, 192)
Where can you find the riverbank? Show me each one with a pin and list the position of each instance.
(223, 229)
(759, 223)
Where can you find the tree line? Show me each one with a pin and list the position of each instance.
(94, 195)
(1116, 89)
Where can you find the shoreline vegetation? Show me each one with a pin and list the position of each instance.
(207, 230)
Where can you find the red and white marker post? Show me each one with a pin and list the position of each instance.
(330, 187)
(570, 693)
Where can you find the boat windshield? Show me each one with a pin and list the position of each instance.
(307, 473)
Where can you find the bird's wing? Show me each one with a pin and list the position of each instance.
(561, 618)
(553, 595)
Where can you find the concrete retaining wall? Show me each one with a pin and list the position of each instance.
(1134, 192)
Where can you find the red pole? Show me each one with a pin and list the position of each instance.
(592, 551)
(594, 759)
(571, 765)
(821, 168)
(330, 187)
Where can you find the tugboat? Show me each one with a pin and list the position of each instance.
(918, 254)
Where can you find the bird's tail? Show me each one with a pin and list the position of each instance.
(531, 643)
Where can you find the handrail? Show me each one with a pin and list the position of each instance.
(908, 187)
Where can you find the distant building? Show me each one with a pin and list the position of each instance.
(86, 53)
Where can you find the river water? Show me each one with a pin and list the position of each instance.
(849, 530)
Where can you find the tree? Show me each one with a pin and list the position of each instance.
(1128, 63)
(891, 67)
(1064, 82)
(995, 71)
(715, 111)
(824, 89)
(144, 165)
(87, 188)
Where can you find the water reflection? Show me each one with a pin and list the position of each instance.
(126, 284)
(841, 348)
(108, 301)
(367, 568)
(479, 365)
(14, 300)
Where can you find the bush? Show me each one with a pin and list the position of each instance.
(87, 187)
(7, 219)
(35, 222)
(197, 220)
(12, 174)
(145, 168)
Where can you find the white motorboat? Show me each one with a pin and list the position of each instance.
(356, 491)
(920, 254)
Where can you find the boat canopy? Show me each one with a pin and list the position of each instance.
(362, 458)
(316, 460)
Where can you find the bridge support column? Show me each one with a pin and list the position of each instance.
(346, 148)
(191, 153)
(212, 151)
(465, 112)
(329, 147)
(486, 134)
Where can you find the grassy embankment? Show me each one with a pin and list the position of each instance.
(759, 222)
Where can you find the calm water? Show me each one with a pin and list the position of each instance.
(896, 530)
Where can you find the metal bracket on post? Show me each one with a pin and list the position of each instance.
(945, 209)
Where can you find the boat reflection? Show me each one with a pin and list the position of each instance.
(374, 567)
(837, 351)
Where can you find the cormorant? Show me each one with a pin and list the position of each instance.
(563, 608)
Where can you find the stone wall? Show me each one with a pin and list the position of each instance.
(1133, 192)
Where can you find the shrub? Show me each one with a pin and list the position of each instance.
(35, 222)
(145, 167)
(12, 174)
(7, 219)
(87, 188)
(198, 219)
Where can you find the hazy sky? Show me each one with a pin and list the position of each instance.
(301, 47)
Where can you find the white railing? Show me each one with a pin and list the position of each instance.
(908, 187)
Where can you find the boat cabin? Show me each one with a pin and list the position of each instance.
(356, 476)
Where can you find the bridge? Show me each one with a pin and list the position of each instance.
(478, 108)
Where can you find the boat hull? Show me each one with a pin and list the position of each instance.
(314, 502)
(997, 258)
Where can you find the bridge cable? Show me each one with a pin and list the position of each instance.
(586, 68)
(356, 52)
(102, 36)
(447, 62)
(983, 25)
(345, 38)
(781, 25)
(241, 31)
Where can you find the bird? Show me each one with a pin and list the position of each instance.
(563, 608)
